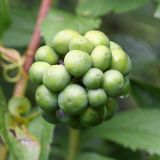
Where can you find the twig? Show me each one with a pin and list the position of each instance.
(20, 86)
(73, 147)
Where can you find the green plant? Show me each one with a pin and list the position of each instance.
(131, 131)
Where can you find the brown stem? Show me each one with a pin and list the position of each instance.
(20, 86)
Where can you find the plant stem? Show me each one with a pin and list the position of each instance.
(73, 144)
(20, 86)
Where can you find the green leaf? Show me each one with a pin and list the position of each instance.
(44, 132)
(20, 29)
(58, 20)
(137, 130)
(101, 7)
(17, 138)
(145, 94)
(5, 17)
(94, 156)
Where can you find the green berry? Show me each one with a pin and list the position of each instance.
(101, 57)
(97, 98)
(91, 116)
(126, 88)
(77, 62)
(56, 78)
(49, 116)
(114, 45)
(97, 38)
(113, 82)
(93, 78)
(37, 70)
(120, 61)
(62, 39)
(46, 54)
(80, 43)
(45, 99)
(111, 106)
(73, 99)
(64, 117)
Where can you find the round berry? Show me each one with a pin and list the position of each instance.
(46, 54)
(97, 98)
(91, 116)
(49, 116)
(126, 88)
(120, 61)
(114, 45)
(62, 39)
(113, 82)
(77, 62)
(73, 99)
(80, 43)
(37, 70)
(56, 78)
(45, 99)
(97, 38)
(101, 57)
(111, 106)
(93, 78)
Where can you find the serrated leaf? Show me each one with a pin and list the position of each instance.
(44, 132)
(137, 130)
(157, 12)
(145, 94)
(5, 17)
(101, 7)
(94, 156)
(58, 20)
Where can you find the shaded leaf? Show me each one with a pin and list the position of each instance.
(44, 132)
(137, 130)
(17, 138)
(20, 29)
(94, 156)
(5, 17)
(145, 94)
(102, 7)
(58, 20)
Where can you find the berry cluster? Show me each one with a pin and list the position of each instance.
(79, 78)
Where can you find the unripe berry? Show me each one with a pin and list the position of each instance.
(97, 38)
(62, 39)
(111, 106)
(81, 43)
(120, 61)
(101, 57)
(93, 78)
(91, 116)
(56, 78)
(73, 99)
(77, 62)
(37, 70)
(46, 100)
(49, 117)
(113, 82)
(97, 97)
(46, 54)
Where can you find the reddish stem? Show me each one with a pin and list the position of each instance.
(20, 87)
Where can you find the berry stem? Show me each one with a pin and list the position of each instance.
(73, 144)
(20, 86)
